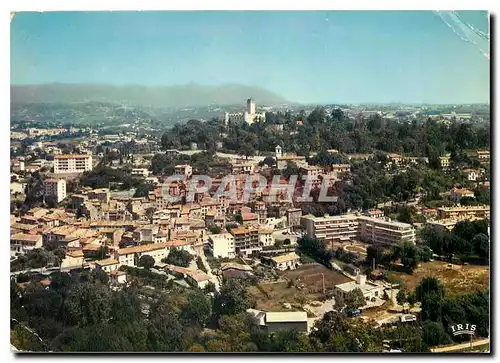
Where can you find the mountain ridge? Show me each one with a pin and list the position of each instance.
(183, 95)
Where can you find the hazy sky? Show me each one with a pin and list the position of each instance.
(324, 56)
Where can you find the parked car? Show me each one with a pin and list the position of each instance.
(408, 318)
(353, 313)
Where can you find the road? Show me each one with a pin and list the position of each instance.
(44, 270)
(451, 348)
(213, 278)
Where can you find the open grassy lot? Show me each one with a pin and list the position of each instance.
(457, 280)
(307, 286)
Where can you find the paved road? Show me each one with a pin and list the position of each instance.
(452, 348)
(44, 270)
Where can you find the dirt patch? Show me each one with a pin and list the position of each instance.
(307, 286)
(457, 280)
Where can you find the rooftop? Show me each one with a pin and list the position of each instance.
(106, 262)
(76, 156)
(142, 248)
(285, 258)
(286, 316)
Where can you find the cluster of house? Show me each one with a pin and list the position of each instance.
(445, 218)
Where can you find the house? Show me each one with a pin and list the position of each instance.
(73, 259)
(429, 212)
(472, 174)
(341, 168)
(196, 278)
(283, 320)
(21, 243)
(118, 277)
(483, 156)
(374, 213)
(458, 193)
(107, 265)
(290, 261)
(370, 290)
(395, 158)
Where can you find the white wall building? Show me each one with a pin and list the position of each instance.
(21, 243)
(72, 163)
(222, 245)
(290, 261)
(55, 189)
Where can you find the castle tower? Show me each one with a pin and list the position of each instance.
(251, 106)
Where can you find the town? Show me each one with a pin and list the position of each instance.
(130, 209)
(250, 181)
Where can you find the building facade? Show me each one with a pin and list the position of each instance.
(55, 189)
(72, 163)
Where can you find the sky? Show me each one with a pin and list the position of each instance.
(303, 56)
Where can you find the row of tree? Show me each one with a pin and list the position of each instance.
(467, 239)
(322, 131)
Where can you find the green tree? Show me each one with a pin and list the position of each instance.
(232, 299)
(87, 304)
(290, 341)
(481, 244)
(238, 218)
(147, 262)
(99, 275)
(408, 253)
(197, 310)
(179, 257)
(354, 299)
(429, 285)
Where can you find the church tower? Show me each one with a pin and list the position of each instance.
(278, 151)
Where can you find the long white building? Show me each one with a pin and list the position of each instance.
(350, 227)
(72, 163)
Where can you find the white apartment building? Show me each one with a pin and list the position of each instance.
(383, 232)
(222, 245)
(350, 227)
(72, 163)
(55, 189)
(464, 212)
(331, 228)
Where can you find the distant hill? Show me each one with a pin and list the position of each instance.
(190, 95)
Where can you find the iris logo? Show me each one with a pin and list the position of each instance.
(460, 329)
